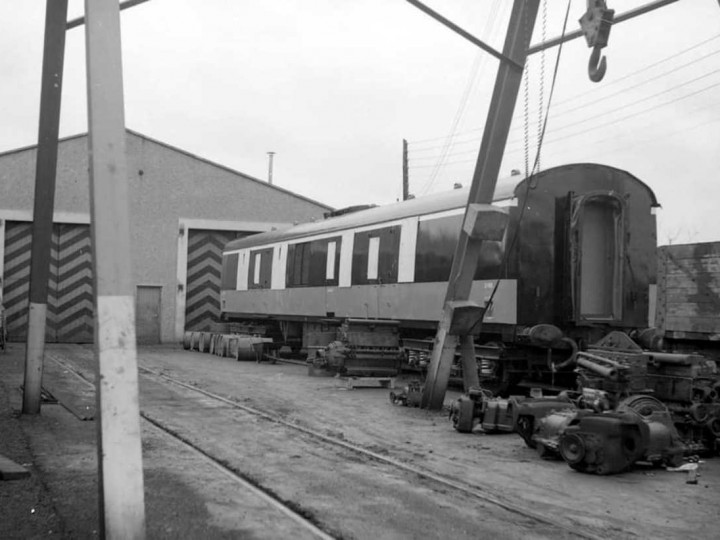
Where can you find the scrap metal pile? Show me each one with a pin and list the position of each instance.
(630, 405)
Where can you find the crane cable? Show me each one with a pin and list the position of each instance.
(528, 181)
(541, 92)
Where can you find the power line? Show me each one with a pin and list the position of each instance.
(514, 142)
(453, 154)
(610, 83)
(480, 60)
(636, 72)
(641, 83)
(585, 142)
(623, 147)
(595, 142)
(675, 100)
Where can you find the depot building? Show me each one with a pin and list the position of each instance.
(183, 209)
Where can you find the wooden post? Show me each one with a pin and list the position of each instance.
(487, 169)
(119, 449)
(42, 225)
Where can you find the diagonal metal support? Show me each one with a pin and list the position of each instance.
(631, 14)
(467, 35)
(467, 251)
(123, 5)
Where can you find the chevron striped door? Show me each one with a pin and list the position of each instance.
(16, 279)
(74, 304)
(70, 302)
(204, 262)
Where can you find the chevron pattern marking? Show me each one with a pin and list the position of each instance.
(70, 301)
(16, 279)
(204, 264)
(74, 303)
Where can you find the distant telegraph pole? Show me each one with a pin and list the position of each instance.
(270, 166)
(406, 175)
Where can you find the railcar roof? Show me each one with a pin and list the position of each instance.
(437, 202)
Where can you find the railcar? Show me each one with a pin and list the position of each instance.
(579, 253)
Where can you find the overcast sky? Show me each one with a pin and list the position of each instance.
(334, 86)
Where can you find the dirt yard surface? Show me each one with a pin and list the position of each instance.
(345, 493)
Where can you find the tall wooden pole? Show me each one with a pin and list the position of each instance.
(119, 449)
(45, 172)
(487, 169)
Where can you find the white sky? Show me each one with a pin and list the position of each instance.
(334, 86)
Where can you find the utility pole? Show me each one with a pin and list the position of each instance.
(122, 499)
(270, 166)
(406, 172)
(42, 225)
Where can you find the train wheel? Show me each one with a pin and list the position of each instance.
(572, 448)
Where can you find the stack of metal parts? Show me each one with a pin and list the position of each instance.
(630, 405)
(363, 348)
(479, 410)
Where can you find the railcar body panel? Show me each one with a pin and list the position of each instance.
(399, 301)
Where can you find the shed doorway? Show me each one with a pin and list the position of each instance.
(147, 314)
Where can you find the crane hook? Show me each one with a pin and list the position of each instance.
(597, 65)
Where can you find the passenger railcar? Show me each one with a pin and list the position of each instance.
(578, 253)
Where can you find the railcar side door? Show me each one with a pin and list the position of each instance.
(597, 233)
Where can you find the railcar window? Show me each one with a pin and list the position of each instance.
(435, 247)
(375, 256)
(256, 270)
(313, 264)
(229, 272)
(330, 261)
(260, 274)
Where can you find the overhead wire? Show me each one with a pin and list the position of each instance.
(512, 147)
(622, 145)
(655, 120)
(637, 101)
(634, 73)
(418, 144)
(597, 126)
(516, 142)
(480, 61)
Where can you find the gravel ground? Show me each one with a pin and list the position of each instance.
(26, 506)
(186, 498)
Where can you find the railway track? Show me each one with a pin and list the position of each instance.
(305, 517)
(287, 509)
(444, 481)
